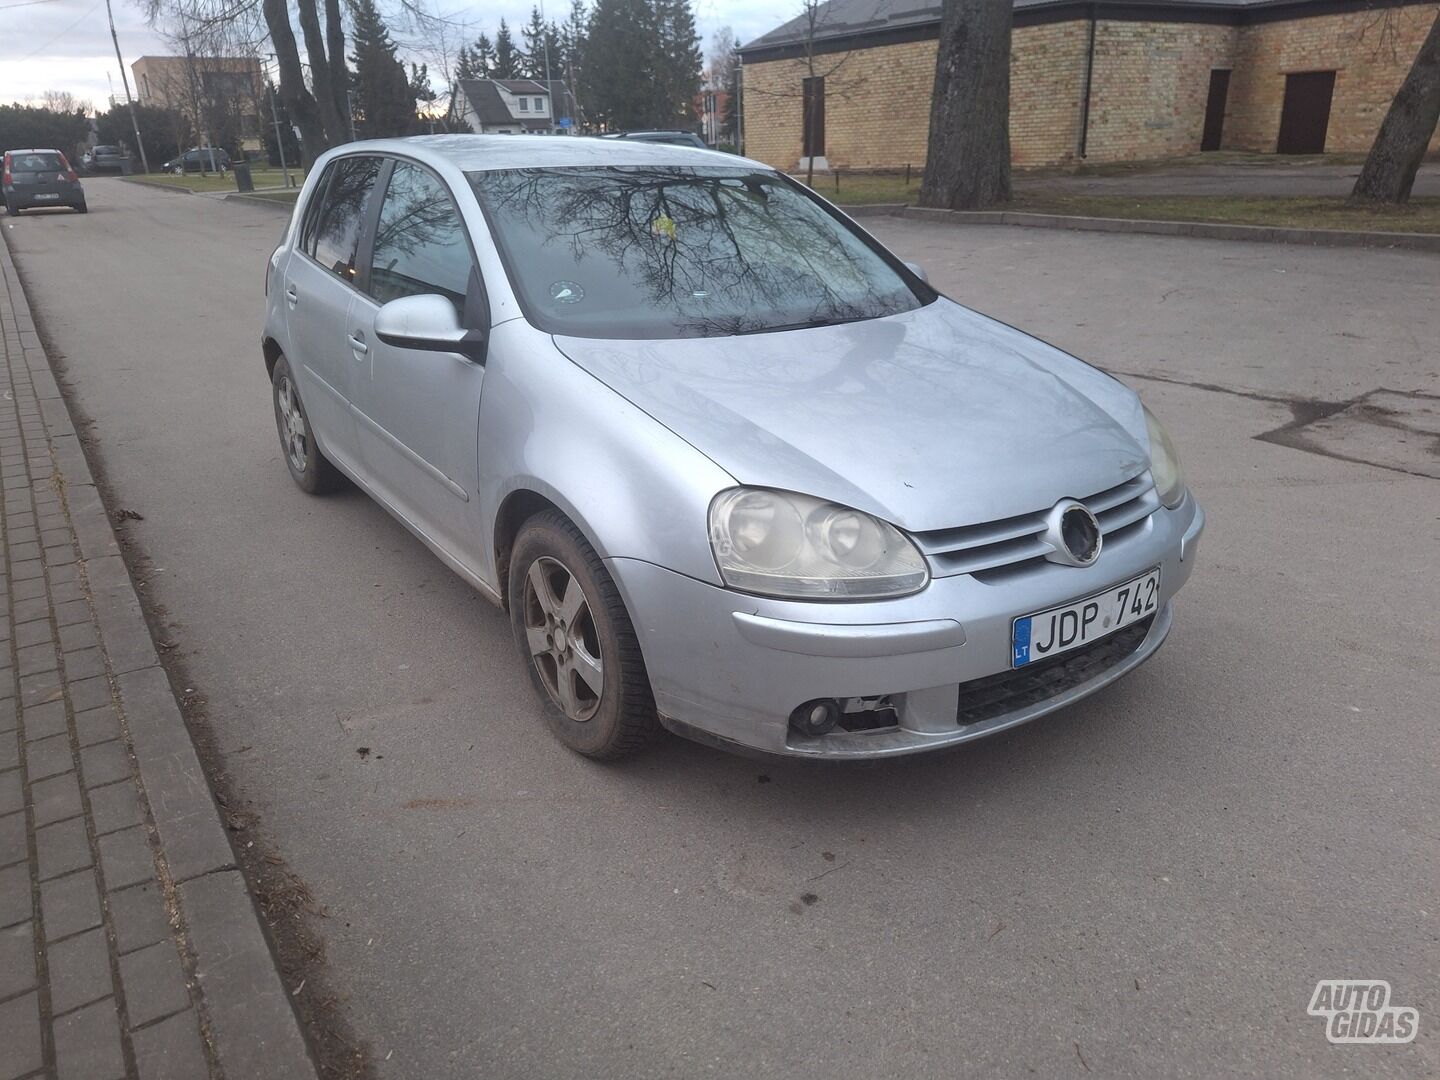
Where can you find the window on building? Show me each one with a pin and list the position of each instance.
(524, 104)
(539, 104)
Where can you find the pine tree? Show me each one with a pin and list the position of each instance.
(507, 56)
(678, 63)
(534, 36)
(618, 76)
(465, 66)
(573, 36)
(384, 99)
(483, 55)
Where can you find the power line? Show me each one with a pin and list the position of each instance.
(26, 3)
(36, 52)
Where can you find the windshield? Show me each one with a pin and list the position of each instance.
(656, 252)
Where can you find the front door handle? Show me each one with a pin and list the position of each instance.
(357, 344)
(291, 296)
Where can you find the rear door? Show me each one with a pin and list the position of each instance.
(419, 411)
(319, 283)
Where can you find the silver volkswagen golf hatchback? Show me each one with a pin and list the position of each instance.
(729, 465)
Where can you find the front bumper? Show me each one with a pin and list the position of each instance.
(729, 668)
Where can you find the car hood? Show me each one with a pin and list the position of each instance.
(935, 418)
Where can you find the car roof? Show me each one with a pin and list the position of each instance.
(486, 153)
(35, 150)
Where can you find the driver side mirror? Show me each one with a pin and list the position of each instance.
(918, 271)
(428, 323)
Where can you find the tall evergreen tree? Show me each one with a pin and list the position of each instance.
(538, 38)
(507, 57)
(618, 75)
(677, 64)
(573, 36)
(465, 65)
(483, 53)
(384, 97)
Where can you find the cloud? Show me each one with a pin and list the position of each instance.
(65, 45)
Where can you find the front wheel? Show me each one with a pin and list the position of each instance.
(309, 468)
(575, 636)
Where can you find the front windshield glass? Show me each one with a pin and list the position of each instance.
(657, 252)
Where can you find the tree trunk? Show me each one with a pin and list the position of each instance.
(298, 102)
(1389, 171)
(339, 77)
(336, 132)
(967, 163)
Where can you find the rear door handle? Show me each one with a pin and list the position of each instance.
(357, 342)
(291, 296)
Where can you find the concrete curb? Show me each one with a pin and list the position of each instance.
(157, 185)
(255, 1031)
(1202, 230)
(256, 200)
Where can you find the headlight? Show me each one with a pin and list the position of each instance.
(1164, 463)
(782, 544)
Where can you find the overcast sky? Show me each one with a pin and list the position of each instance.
(65, 44)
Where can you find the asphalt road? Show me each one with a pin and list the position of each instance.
(1148, 884)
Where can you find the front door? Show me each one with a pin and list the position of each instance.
(1305, 116)
(419, 412)
(319, 283)
(1215, 109)
(813, 115)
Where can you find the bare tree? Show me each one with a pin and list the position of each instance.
(1389, 170)
(63, 101)
(967, 162)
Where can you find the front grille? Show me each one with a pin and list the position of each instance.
(1012, 541)
(1011, 691)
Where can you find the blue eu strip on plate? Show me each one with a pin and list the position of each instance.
(1022, 641)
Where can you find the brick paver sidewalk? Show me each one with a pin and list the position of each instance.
(128, 943)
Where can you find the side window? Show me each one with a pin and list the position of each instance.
(420, 242)
(337, 228)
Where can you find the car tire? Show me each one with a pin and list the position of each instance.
(309, 468)
(559, 637)
(82, 209)
(10, 209)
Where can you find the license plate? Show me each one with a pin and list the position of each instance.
(47, 195)
(1058, 630)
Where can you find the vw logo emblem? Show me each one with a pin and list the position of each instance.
(1072, 533)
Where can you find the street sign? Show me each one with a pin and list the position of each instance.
(565, 122)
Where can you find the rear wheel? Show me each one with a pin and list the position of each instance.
(309, 468)
(575, 636)
(81, 208)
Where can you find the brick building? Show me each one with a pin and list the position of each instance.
(1115, 80)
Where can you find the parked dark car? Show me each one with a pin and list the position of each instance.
(199, 159)
(105, 159)
(40, 178)
(673, 138)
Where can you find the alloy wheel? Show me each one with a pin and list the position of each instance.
(292, 423)
(562, 638)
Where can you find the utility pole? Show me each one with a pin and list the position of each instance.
(125, 81)
(275, 114)
(279, 139)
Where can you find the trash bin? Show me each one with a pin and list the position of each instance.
(241, 169)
